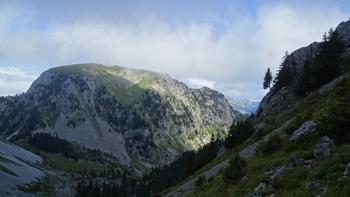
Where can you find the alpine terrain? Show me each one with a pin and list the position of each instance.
(135, 119)
(92, 130)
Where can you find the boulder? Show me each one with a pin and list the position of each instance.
(312, 185)
(296, 160)
(260, 188)
(324, 148)
(308, 164)
(305, 129)
(347, 169)
(280, 171)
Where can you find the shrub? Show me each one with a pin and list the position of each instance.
(199, 181)
(271, 145)
(236, 170)
(239, 132)
(336, 122)
(344, 153)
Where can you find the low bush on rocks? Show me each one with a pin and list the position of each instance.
(236, 170)
(273, 144)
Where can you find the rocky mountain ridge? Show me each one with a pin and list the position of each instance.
(244, 106)
(301, 142)
(135, 115)
(277, 100)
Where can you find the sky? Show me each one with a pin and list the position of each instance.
(224, 45)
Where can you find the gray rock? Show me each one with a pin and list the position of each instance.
(129, 113)
(305, 129)
(347, 169)
(280, 171)
(25, 166)
(260, 188)
(325, 189)
(344, 30)
(275, 102)
(221, 151)
(324, 148)
(296, 160)
(312, 185)
(308, 164)
(250, 150)
(189, 185)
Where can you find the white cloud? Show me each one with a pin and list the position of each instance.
(232, 61)
(199, 83)
(13, 81)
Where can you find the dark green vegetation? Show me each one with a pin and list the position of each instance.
(239, 132)
(293, 183)
(271, 145)
(286, 73)
(324, 67)
(329, 107)
(200, 180)
(44, 186)
(336, 120)
(236, 170)
(53, 144)
(158, 179)
(58, 161)
(110, 187)
(189, 162)
(267, 79)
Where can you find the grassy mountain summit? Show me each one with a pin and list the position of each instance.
(141, 117)
(127, 85)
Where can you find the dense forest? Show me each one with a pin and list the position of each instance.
(159, 178)
(54, 144)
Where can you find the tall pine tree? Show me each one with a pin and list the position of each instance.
(267, 79)
(327, 60)
(324, 67)
(284, 75)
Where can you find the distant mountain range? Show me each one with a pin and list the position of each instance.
(244, 106)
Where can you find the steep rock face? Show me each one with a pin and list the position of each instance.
(344, 31)
(278, 100)
(133, 114)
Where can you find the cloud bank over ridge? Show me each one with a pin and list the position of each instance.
(231, 57)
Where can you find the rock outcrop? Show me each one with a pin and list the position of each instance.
(277, 100)
(306, 129)
(324, 148)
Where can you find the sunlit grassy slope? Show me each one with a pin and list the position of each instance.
(328, 173)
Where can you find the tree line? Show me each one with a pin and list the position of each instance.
(157, 180)
(317, 69)
(53, 144)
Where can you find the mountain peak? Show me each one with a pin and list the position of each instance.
(131, 113)
(344, 30)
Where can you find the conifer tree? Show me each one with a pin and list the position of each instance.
(284, 75)
(267, 79)
(328, 59)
